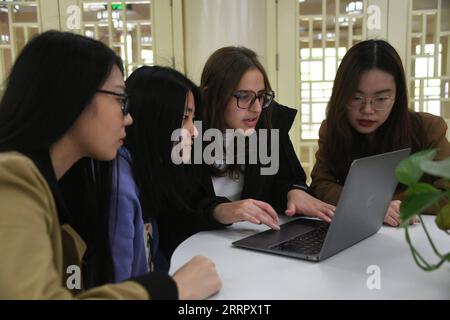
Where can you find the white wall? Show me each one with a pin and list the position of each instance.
(212, 24)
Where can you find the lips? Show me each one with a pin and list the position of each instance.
(251, 122)
(366, 123)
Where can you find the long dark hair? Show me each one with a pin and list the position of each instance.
(54, 78)
(157, 104)
(221, 75)
(342, 143)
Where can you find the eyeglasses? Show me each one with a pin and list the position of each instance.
(125, 99)
(246, 98)
(378, 103)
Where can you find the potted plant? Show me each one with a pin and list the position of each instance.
(419, 196)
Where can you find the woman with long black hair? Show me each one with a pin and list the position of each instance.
(64, 102)
(151, 185)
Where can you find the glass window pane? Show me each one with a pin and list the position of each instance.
(318, 114)
(416, 23)
(24, 13)
(304, 53)
(330, 67)
(310, 7)
(421, 67)
(316, 70)
(423, 5)
(433, 106)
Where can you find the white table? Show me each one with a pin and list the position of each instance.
(248, 274)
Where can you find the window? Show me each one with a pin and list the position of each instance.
(19, 21)
(429, 57)
(317, 72)
(125, 26)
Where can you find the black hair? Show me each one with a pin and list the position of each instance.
(54, 78)
(157, 105)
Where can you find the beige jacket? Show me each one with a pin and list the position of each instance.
(324, 184)
(35, 250)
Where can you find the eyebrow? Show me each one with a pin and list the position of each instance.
(189, 110)
(264, 89)
(378, 92)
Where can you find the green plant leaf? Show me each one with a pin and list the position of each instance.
(408, 171)
(437, 168)
(443, 218)
(420, 188)
(417, 203)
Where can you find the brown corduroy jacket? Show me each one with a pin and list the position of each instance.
(325, 185)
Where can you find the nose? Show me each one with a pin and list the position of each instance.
(128, 120)
(367, 107)
(256, 106)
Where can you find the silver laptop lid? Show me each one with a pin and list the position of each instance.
(364, 200)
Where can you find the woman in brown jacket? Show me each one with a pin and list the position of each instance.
(368, 114)
(64, 105)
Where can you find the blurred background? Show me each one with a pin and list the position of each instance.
(300, 42)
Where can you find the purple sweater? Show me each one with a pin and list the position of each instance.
(126, 226)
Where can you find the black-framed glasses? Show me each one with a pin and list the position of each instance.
(124, 96)
(246, 98)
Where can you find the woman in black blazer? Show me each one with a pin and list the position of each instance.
(236, 94)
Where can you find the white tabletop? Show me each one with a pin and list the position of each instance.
(248, 274)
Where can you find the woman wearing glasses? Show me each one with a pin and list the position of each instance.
(54, 119)
(368, 114)
(237, 95)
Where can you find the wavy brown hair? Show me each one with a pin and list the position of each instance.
(403, 128)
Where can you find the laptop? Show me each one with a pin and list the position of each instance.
(360, 212)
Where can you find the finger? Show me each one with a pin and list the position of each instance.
(267, 208)
(395, 205)
(319, 212)
(321, 216)
(396, 217)
(321, 203)
(258, 216)
(328, 212)
(268, 221)
(290, 211)
(393, 213)
(329, 206)
(265, 218)
(390, 220)
(248, 217)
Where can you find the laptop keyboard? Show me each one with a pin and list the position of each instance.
(306, 243)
